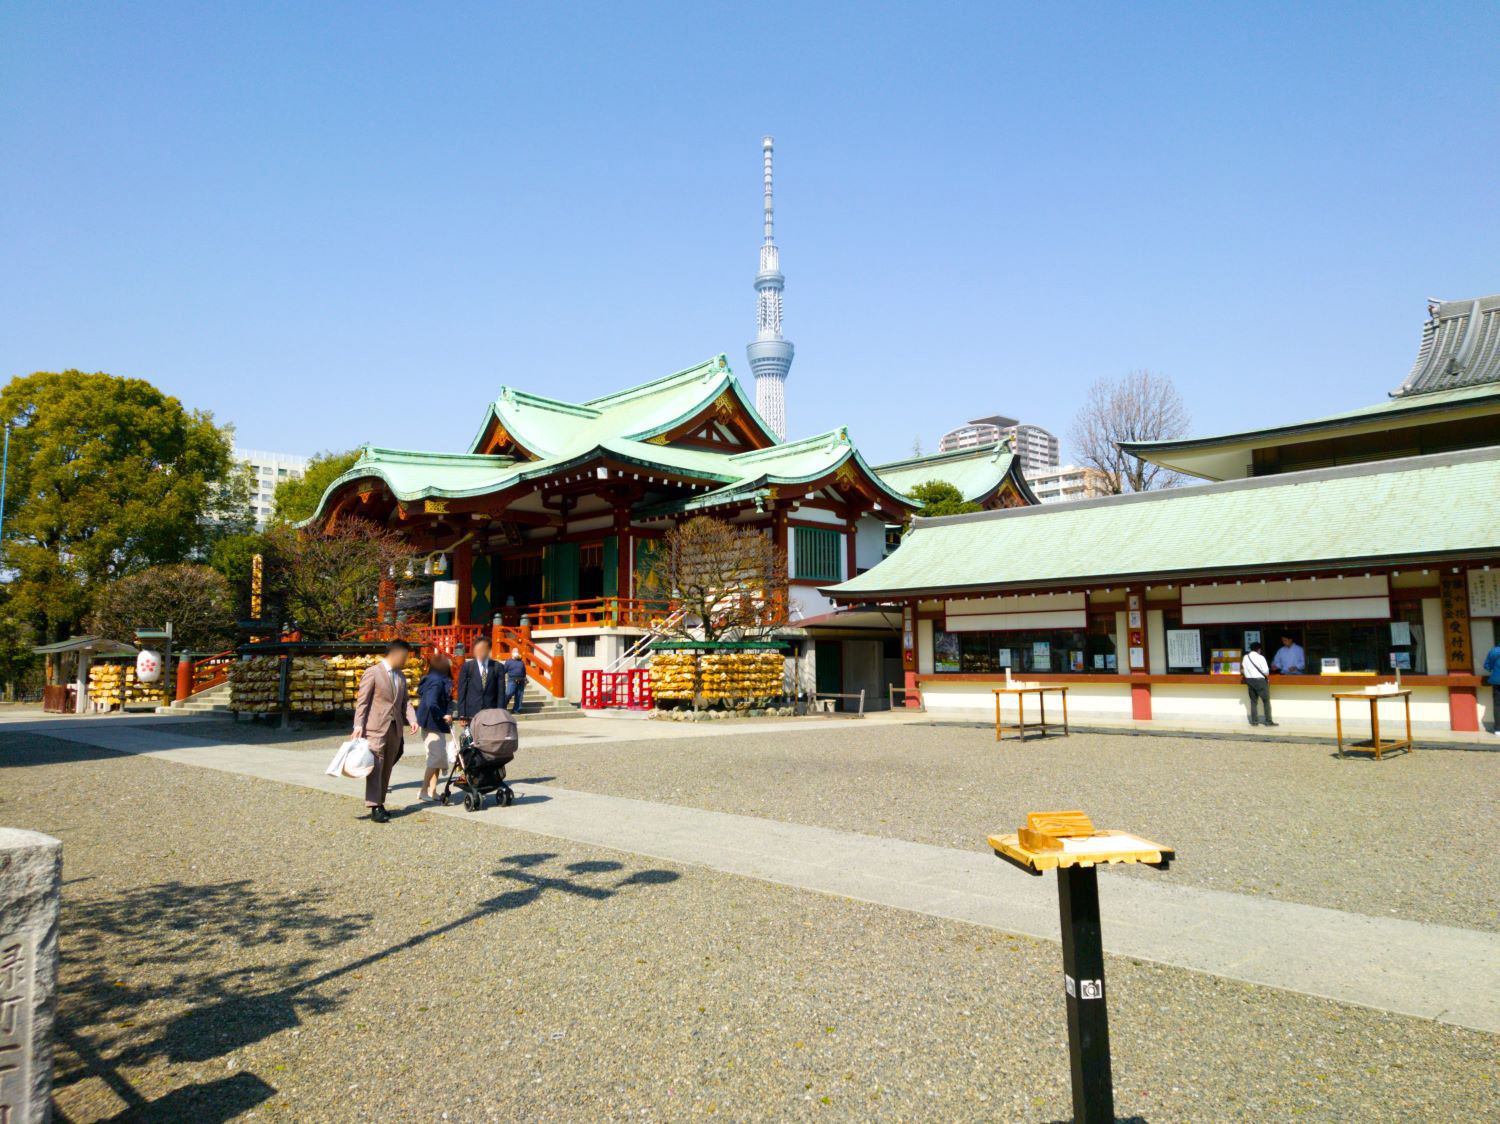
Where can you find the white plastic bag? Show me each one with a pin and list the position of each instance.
(354, 759)
(452, 750)
(336, 766)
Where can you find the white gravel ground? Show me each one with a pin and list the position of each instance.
(236, 947)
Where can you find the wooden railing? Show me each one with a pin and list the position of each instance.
(599, 612)
(541, 664)
(210, 671)
(446, 638)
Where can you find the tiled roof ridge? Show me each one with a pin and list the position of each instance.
(839, 436)
(540, 401)
(418, 456)
(992, 450)
(719, 364)
(1283, 479)
(1460, 347)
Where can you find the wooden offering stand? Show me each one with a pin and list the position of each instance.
(1069, 843)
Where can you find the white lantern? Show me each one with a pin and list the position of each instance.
(148, 666)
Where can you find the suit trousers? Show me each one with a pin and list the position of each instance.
(387, 748)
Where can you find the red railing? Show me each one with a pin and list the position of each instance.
(615, 690)
(445, 638)
(599, 612)
(541, 664)
(210, 671)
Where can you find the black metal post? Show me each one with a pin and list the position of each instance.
(1083, 980)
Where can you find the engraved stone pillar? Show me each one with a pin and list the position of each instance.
(30, 885)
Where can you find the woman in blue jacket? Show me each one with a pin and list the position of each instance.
(434, 704)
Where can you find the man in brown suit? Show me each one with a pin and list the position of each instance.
(379, 709)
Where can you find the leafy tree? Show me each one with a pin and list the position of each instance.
(107, 476)
(938, 497)
(18, 664)
(195, 598)
(332, 578)
(731, 580)
(234, 557)
(296, 500)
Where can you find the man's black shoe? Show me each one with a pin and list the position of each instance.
(1253, 722)
(379, 814)
(1272, 723)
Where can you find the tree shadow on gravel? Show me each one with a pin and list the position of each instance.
(165, 944)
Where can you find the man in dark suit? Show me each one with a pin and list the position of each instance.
(479, 683)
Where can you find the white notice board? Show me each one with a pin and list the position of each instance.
(1184, 647)
(1484, 593)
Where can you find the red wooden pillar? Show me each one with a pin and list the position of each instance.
(463, 574)
(1138, 637)
(850, 538)
(909, 653)
(622, 553)
(1463, 710)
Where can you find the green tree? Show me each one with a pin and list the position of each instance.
(195, 598)
(107, 476)
(18, 664)
(234, 557)
(296, 500)
(938, 497)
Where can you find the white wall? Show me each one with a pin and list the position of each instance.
(869, 542)
(1156, 642)
(1432, 636)
(924, 647)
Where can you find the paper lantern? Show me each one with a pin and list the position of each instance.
(148, 666)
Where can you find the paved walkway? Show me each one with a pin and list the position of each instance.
(1431, 971)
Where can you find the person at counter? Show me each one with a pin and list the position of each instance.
(1254, 671)
(1290, 659)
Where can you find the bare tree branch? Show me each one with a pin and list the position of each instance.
(1142, 406)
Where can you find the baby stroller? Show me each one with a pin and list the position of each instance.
(486, 747)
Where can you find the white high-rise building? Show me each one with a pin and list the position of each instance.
(266, 471)
(770, 356)
(1037, 447)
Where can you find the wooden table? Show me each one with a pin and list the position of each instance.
(1041, 699)
(1373, 699)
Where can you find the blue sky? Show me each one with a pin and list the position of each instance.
(334, 223)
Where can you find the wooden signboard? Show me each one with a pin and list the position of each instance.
(1455, 598)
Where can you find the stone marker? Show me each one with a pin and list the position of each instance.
(30, 885)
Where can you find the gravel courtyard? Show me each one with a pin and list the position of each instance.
(1292, 821)
(238, 947)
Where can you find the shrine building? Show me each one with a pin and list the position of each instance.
(541, 530)
(1371, 537)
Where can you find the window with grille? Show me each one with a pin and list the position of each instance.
(817, 554)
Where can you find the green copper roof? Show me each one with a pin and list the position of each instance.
(1390, 410)
(974, 472)
(618, 427)
(551, 427)
(1446, 505)
(787, 465)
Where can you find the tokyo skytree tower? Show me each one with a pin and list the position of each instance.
(770, 355)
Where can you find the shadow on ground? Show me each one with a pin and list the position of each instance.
(136, 988)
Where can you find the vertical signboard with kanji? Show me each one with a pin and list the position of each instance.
(16, 955)
(1455, 597)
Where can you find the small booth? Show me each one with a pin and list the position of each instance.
(84, 657)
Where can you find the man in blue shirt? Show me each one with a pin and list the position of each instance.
(1290, 659)
(1492, 670)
